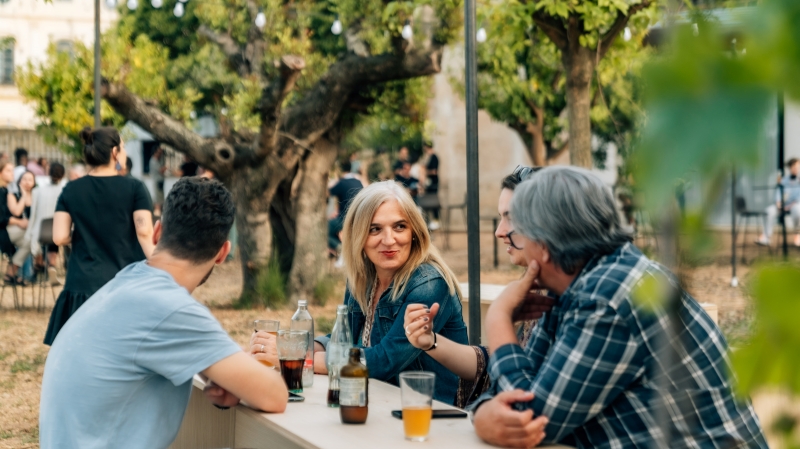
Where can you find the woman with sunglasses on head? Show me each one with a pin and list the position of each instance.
(470, 363)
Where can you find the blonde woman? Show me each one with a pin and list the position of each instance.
(390, 264)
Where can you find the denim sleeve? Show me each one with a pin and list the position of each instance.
(591, 363)
(394, 353)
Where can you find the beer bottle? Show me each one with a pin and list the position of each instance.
(353, 390)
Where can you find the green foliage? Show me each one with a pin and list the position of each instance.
(170, 62)
(324, 325)
(26, 365)
(324, 290)
(707, 101)
(520, 69)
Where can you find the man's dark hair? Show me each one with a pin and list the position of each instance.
(791, 162)
(520, 174)
(56, 172)
(398, 165)
(196, 219)
(19, 154)
(346, 166)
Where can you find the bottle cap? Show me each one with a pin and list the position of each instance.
(302, 303)
(341, 308)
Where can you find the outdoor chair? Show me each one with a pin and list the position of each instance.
(13, 287)
(744, 214)
(43, 278)
(449, 211)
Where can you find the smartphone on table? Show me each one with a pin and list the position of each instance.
(437, 414)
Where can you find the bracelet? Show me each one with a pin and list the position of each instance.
(434, 344)
(221, 407)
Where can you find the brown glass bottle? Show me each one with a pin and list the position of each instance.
(353, 390)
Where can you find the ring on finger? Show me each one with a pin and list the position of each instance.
(407, 331)
(262, 348)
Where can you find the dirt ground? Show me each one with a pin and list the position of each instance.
(22, 354)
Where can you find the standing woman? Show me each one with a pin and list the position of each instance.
(113, 223)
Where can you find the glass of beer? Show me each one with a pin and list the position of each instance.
(292, 346)
(416, 390)
(270, 327)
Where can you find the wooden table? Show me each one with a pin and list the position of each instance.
(312, 424)
(491, 291)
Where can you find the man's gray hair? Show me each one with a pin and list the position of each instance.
(571, 212)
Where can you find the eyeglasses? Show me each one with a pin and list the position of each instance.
(511, 241)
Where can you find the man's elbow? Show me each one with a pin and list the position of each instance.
(276, 401)
(60, 240)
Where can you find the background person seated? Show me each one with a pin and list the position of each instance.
(791, 204)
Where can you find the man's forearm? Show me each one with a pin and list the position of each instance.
(502, 326)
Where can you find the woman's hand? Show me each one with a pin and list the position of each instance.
(418, 322)
(264, 348)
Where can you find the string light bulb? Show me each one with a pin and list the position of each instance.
(695, 29)
(627, 35)
(157, 3)
(132, 4)
(261, 19)
(336, 28)
(111, 3)
(407, 32)
(480, 36)
(178, 11)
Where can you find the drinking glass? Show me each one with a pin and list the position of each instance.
(416, 390)
(270, 327)
(292, 346)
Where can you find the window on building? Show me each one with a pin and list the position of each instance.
(66, 47)
(6, 61)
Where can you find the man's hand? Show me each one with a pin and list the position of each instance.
(264, 348)
(533, 307)
(516, 293)
(320, 367)
(219, 396)
(498, 424)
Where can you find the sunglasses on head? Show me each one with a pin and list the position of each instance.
(522, 172)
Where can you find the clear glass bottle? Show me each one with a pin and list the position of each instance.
(354, 390)
(302, 321)
(336, 353)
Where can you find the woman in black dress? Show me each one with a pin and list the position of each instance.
(8, 220)
(113, 223)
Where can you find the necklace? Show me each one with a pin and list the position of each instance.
(370, 314)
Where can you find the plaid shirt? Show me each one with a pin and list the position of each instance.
(592, 366)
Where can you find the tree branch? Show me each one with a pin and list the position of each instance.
(229, 47)
(215, 154)
(269, 106)
(319, 108)
(553, 28)
(619, 24)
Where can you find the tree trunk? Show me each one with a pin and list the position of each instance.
(579, 66)
(254, 239)
(311, 225)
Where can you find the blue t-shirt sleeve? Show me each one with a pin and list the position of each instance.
(185, 343)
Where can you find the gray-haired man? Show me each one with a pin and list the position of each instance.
(591, 367)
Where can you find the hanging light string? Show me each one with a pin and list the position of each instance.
(261, 18)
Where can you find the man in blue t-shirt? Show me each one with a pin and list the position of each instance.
(119, 374)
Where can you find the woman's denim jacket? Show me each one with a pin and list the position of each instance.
(390, 353)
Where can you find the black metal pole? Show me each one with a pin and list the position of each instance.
(473, 213)
(734, 279)
(96, 63)
(494, 226)
(781, 155)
